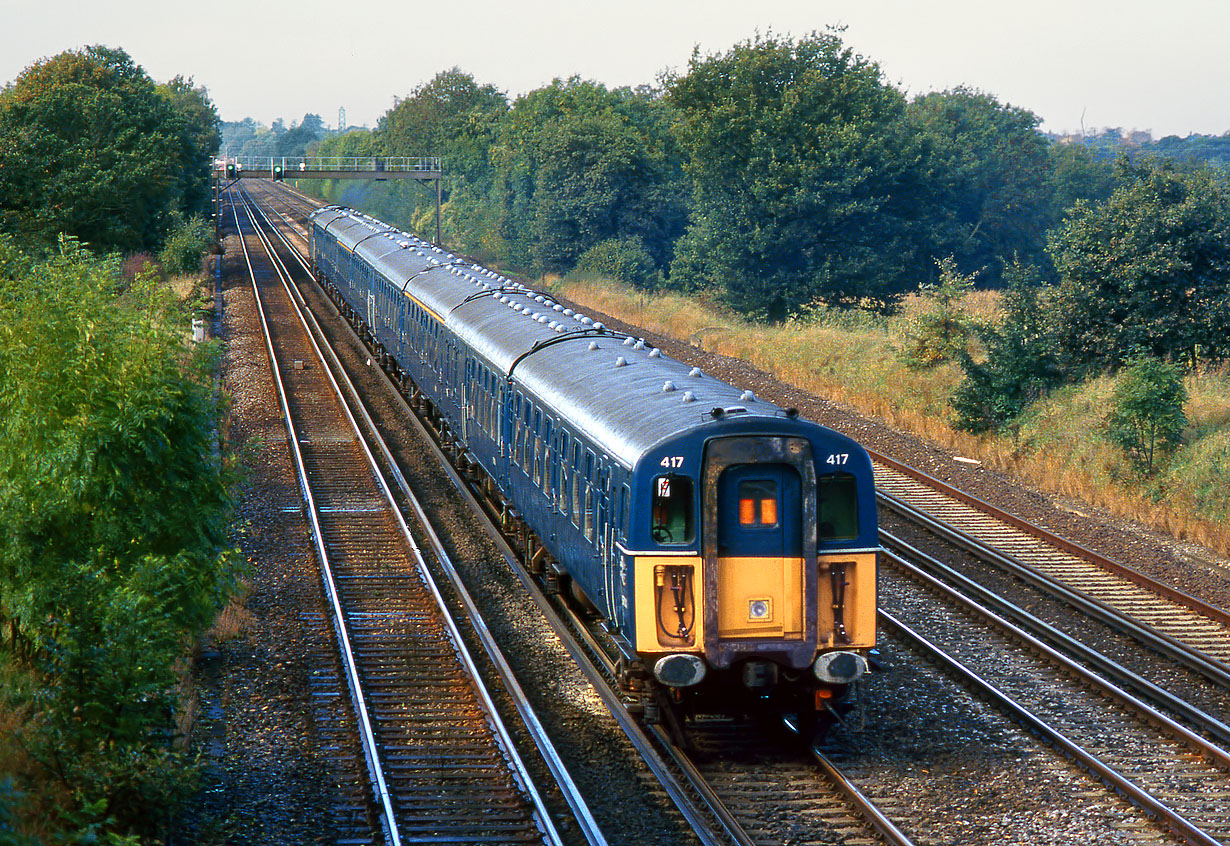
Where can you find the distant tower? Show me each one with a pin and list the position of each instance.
(341, 119)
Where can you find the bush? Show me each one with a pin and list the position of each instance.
(185, 246)
(1021, 365)
(1146, 418)
(937, 329)
(114, 499)
(623, 259)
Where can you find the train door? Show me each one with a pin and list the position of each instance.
(759, 513)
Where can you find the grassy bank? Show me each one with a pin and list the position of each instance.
(853, 360)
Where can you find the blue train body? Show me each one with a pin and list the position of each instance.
(730, 545)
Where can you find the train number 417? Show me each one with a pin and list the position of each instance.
(837, 459)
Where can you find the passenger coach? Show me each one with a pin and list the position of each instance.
(730, 545)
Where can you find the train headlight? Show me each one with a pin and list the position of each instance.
(840, 667)
(759, 610)
(679, 670)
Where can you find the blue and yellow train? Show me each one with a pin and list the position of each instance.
(730, 545)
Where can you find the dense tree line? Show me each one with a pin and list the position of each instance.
(248, 138)
(785, 174)
(114, 485)
(777, 175)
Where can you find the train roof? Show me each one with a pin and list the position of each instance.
(624, 394)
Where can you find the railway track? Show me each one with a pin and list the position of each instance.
(1176, 776)
(441, 765)
(1115, 749)
(723, 801)
(1198, 628)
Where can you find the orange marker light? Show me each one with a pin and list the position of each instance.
(768, 512)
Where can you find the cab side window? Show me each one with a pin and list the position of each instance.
(837, 503)
(673, 511)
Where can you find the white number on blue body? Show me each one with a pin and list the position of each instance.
(672, 462)
(838, 458)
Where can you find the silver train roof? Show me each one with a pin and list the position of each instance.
(581, 370)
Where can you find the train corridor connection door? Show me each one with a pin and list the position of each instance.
(760, 551)
(758, 512)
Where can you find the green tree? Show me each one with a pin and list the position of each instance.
(1021, 365)
(1148, 270)
(938, 329)
(197, 125)
(987, 173)
(89, 148)
(1076, 173)
(624, 259)
(354, 143)
(115, 499)
(296, 140)
(807, 184)
(577, 164)
(1146, 418)
(454, 117)
(450, 116)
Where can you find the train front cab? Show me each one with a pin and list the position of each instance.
(764, 579)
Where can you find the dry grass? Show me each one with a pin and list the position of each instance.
(186, 286)
(1057, 449)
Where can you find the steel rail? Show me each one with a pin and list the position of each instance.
(1029, 622)
(861, 802)
(551, 757)
(1177, 823)
(998, 618)
(546, 824)
(881, 823)
(1175, 595)
(1205, 665)
(366, 733)
(640, 740)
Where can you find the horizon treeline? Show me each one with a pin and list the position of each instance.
(778, 176)
(785, 178)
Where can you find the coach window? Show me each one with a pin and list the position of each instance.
(548, 477)
(837, 506)
(673, 511)
(590, 494)
(528, 446)
(536, 447)
(576, 484)
(489, 410)
(518, 440)
(625, 494)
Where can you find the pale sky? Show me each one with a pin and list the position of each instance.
(1158, 65)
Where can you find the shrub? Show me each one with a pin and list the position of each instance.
(936, 328)
(1020, 367)
(185, 246)
(1146, 417)
(624, 259)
